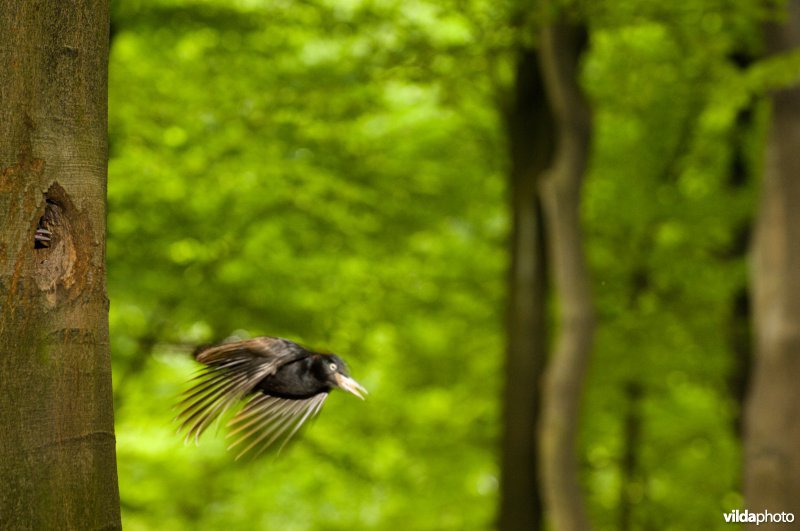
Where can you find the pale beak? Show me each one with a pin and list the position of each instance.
(348, 384)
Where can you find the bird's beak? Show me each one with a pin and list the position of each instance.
(351, 386)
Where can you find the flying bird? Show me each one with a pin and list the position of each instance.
(283, 385)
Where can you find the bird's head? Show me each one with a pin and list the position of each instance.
(334, 370)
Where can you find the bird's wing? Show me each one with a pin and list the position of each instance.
(260, 348)
(232, 371)
(266, 420)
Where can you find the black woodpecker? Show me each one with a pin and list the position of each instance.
(282, 383)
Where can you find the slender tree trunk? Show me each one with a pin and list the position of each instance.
(57, 456)
(739, 331)
(529, 127)
(772, 416)
(631, 484)
(561, 48)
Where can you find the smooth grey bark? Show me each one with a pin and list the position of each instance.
(561, 48)
(772, 414)
(57, 446)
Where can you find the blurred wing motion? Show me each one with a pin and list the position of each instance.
(266, 419)
(232, 372)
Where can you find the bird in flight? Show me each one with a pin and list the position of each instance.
(282, 383)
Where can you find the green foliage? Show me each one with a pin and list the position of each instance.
(334, 172)
(275, 171)
(665, 214)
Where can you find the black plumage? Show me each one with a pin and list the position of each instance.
(283, 383)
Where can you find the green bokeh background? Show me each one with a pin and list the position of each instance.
(335, 173)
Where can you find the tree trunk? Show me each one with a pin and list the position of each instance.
(530, 130)
(772, 416)
(561, 48)
(631, 483)
(57, 456)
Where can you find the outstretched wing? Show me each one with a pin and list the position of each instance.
(232, 372)
(274, 349)
(268, 419)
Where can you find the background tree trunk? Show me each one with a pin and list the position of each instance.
(561, 48)
(631, 484)
(772, 421)
(57, 455)
(530, 130)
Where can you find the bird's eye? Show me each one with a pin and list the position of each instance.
(332, 366)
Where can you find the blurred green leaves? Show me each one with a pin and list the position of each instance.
(334, 172)
(284, 170)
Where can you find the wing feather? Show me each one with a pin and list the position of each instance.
(266, 420)
(273, 348)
